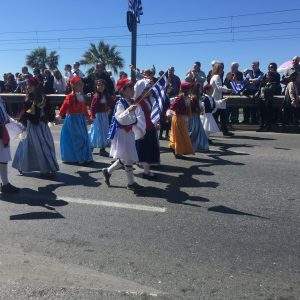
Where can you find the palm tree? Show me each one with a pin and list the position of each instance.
(103, 53)
(41, 59)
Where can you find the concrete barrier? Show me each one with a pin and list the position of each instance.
(57, 99)
(14, 104)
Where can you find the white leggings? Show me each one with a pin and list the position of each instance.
(128, 169)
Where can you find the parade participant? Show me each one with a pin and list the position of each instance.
(147, 144)
(36, 152)
(210, 106)
(122, 138)
(75, 145)
(197, 134)
(180, 142)
(5, 157)
(99, 112)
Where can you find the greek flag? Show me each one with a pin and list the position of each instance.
(160, 100)
(237, 87)
(135, 6)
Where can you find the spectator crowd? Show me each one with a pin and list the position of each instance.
(258, 86)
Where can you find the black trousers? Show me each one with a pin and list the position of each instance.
(267, 111)
(222, 114)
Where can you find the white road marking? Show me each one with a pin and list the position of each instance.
(114, 204)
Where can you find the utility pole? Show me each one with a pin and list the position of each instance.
(133, 48)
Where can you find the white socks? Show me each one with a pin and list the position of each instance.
(3, 173)
(129, 174)
(115, 166)
(128, 169)
(146, 168)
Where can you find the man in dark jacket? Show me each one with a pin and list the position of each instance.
(48, 82)
(99, 73)
(253, 78)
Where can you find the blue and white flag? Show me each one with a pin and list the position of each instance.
(237, 87)
(160, 99)
(135, 6)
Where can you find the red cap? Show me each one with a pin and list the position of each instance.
(123, 83)
(185, 86)
(74, 80)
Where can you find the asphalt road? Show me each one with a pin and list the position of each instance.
(219, 225)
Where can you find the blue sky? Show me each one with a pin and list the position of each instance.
(31, 23)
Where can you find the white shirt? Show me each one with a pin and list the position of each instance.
(218, 88)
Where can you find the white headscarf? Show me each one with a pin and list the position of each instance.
(140, 86)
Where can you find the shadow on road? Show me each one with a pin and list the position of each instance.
(65, 179)
(37, 216)
(254, 138)
(44, 197)
(172, 193)
(227, 210)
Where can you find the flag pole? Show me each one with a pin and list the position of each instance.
(142, 96)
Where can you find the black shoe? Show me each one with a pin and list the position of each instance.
(9, 189)
(228, 133)
(103, 153)
(178, 156)
(133, 187)
(106, 176)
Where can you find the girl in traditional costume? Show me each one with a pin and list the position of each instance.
(121, 134)
(5, 157)
(75, 144)
(36, 152)
(147, 144)
(210, 106)
(99, 113)
(180, 141)
(197, 133)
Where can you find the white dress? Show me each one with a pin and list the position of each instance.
(123, 143)
(209, 124)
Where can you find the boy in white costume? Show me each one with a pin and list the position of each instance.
(122, 136)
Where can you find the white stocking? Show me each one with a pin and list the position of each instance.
(115, 166)
(129, 174)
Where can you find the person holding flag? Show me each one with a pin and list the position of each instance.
(147, 145)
